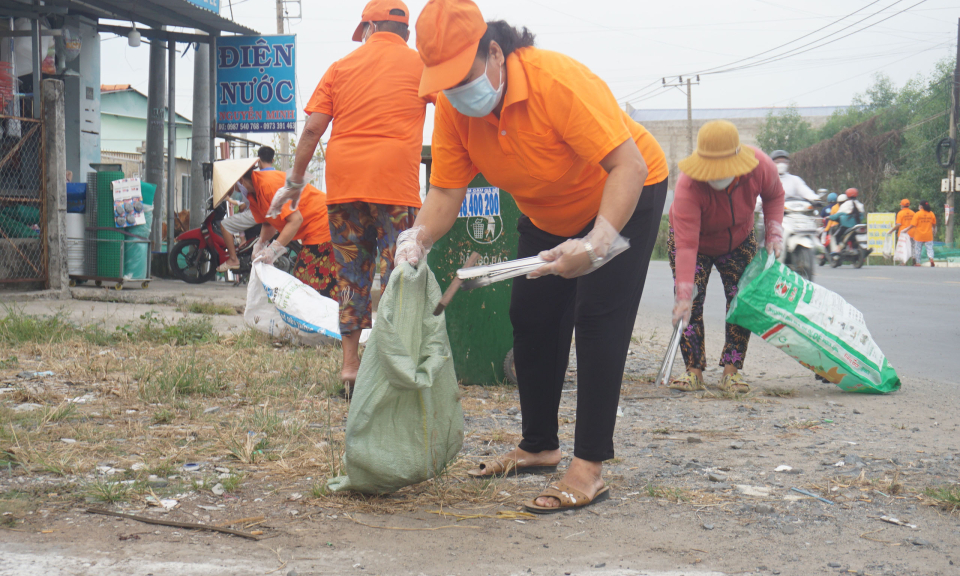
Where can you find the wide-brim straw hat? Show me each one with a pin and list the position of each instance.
(719, 154)
(226, 173)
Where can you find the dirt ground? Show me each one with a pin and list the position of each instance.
(701, 483)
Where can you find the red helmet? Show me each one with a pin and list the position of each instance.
(852, 192)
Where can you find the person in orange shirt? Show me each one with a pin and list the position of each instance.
(921, 229)
(591, 184)
(372, 159)
(904, 218)
(306, 224)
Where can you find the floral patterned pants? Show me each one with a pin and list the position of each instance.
(316, 268)
(731, 267)
(359, 230)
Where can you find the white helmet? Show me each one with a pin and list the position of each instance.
(842, 198)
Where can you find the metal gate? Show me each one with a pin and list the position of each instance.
(23, 234)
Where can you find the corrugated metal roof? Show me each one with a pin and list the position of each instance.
(156, 13)
(653, 115)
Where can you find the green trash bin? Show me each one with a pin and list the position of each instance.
(478, 321)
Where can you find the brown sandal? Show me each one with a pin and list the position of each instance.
(569, 498)
(508, 467)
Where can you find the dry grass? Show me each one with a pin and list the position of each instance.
(780, 392)
(155, 396)
(945, 497)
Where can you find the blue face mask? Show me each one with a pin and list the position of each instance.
(478, 97)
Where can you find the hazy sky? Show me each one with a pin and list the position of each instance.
(632, 44)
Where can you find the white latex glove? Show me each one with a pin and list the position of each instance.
(683, 302)
(289, 193)
(258, 247)
(270, 254)
(413, 245)
(774, 238)
(579, 256)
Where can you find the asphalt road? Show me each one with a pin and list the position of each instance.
(913, 313)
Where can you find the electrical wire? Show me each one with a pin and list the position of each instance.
(798, 39)
(795, 52)
(726, 68)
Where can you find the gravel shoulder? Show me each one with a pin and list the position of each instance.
(696, 491)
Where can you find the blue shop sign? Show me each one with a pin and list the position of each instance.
(256, 84)
(213, 5)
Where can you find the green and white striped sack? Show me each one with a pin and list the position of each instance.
(813, 325)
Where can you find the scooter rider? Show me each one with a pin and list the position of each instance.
(794, 187)
(848, 215)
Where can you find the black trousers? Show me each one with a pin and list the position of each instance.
(603, 307)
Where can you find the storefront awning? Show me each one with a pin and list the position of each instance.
(156, 13)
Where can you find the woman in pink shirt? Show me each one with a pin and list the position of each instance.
(711, 225)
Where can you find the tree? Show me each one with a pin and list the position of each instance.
(786, 130)
(884, 143)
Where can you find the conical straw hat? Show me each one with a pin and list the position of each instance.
(225, 175)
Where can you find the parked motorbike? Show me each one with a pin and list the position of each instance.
(801, 243)
(852, 247)
(197, 253)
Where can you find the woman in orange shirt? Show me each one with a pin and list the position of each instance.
(591, 185)
(923, 224)
(308, 224)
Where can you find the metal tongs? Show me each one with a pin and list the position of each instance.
(666, 368)
(479, 276)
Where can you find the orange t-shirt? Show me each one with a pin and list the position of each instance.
(904, 217)
(924, 221)
(313, 207)
(377, 139)
(558, 122)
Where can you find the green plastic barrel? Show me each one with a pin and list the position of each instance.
(136, 251)
(109, 242)
(478, 321)
(149, 191)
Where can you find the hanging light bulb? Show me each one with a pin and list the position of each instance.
(133, 38)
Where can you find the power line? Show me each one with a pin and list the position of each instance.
(794, 51)
(801, 37)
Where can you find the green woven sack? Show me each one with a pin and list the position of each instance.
(811, 324)
(29, 215)
(405, 424)
(14, 228)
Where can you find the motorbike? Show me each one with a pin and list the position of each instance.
(852, 247)
(197, 253)
(801, 242)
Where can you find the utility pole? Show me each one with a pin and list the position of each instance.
(153, 171)
(284, 137)
(171, 141)
(954, 116)
(200, 143)
(689, 83)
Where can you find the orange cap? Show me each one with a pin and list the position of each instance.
(379, 11)
(904, 202)
(448, 33)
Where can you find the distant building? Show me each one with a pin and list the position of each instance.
(123, 135)
(669, 127)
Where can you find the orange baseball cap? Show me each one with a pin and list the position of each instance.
(379, 11)
(904, 202)
(448, 34)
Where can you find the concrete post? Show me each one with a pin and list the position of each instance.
(285, 163)
(153, 172)
(55, 177)
(200, 144)
(171, 140)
